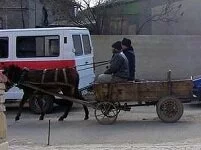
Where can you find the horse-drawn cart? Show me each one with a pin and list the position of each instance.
(111, 98)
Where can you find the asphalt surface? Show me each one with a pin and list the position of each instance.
(138, 129)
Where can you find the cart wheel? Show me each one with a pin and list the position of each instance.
(106, 113)
(169, 109)
(48, 103)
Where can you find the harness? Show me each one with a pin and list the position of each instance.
(55, 75)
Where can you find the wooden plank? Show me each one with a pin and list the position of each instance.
(2, 108)
(2, 99)
(2, 86)
(143, 91)
(2, 92)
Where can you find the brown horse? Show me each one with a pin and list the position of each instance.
(64, 80)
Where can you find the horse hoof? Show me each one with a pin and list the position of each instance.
(17, 118)
(61, 119)
(86, 118)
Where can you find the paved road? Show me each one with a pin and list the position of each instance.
(138, 129)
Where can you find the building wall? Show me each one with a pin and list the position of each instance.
(13, 14)
(120, 19)
(127, 18)
(156, 54)
(7, 9)
(58, 12)
(188, 24)
(34, 12)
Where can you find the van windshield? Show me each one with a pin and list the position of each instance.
(3, 47)
(37, 46)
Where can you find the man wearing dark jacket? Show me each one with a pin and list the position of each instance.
(118, 70)
(129, 53)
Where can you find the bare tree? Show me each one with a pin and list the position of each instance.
(91, 13)
(94, 16)
(170, 12)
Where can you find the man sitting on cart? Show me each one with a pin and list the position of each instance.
(118, 70)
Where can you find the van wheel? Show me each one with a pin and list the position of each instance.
(48, 103)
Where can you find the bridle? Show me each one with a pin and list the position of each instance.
(9, 82)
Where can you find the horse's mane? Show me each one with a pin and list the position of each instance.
(13, 67)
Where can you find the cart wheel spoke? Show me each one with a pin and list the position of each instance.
(114, 113)
(106, 113)
(101, 116)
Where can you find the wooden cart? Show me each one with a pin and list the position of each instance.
(166, 95)
(111, 98)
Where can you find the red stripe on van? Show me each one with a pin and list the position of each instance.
(38, 65)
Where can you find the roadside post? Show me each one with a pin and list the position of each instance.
(3, 123)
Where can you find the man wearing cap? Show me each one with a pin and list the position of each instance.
(118, 70)
(129, 53)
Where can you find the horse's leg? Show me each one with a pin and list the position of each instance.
(40, 103)
(86, 112)
(79, 96)
(22, 102)
(69, 106)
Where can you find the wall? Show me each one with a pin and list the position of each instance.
(127, 17)
(3, 124)
(155, 55)
(11, 13)
(33, 12)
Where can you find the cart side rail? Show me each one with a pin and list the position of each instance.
(143, 90)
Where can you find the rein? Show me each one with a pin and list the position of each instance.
(96, 64)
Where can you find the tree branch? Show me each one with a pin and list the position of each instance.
(168, 13)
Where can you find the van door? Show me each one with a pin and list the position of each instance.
(84, 59)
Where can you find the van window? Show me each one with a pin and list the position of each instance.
(86, 44)
(3, 47)
(37, 46)
(77, 45)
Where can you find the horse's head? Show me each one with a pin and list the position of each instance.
(12, 73)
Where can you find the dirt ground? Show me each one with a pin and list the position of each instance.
(138, 129)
